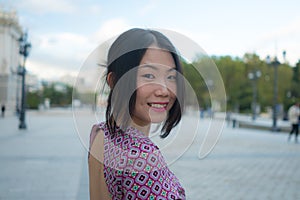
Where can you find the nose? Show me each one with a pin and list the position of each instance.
(162, 89)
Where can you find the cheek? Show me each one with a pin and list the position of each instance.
(172, 100)
(141, 93)
(173, 90)
(173, 94)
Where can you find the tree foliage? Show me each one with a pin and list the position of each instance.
(59, 94)
(239, 87)
(235, 75)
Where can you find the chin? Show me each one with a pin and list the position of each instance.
(158, 118)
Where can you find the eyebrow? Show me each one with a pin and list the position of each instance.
(156, 68)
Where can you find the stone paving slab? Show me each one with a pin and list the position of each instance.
(48, 161)
(245, 164)
(42, 162)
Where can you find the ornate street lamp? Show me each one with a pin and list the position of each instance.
(25, 47)
(253, 76)
(275, 63)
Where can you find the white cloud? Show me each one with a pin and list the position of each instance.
(48, 71)
(63, 45)
(60, 53)
(110, 29)
(47, 6)
(94, 9)
(56, 54)
(274, 42)
(152, 4)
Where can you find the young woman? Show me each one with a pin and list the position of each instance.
(146, 86)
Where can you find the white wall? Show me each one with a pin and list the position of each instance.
(10, 32)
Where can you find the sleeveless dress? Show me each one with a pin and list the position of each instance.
(134, 167)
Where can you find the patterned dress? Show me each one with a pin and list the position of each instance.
(134, 167)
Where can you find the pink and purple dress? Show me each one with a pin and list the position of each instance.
(134, 167)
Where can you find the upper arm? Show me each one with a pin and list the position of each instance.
(97, 184)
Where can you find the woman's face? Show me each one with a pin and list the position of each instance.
(156, 87)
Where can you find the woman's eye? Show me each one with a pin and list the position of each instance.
(172, 77)
(150, 76)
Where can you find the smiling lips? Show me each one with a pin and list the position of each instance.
(159, 106)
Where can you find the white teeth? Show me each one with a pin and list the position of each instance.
(158, 105)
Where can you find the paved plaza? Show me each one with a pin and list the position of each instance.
(49, 159)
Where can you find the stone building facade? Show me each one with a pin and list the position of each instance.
(10, 82)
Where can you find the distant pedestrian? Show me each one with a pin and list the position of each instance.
(2, 110)
(228, 117)
(293, 114)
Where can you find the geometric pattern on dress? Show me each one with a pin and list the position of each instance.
(134, 167)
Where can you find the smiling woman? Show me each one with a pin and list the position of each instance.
(143, 74)
(156, 87)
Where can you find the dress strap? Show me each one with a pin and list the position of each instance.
(94, 132)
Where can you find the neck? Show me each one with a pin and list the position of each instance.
(143, 128)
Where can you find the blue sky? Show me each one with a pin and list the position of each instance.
(64, 32)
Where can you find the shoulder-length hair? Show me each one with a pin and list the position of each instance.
(124, 55)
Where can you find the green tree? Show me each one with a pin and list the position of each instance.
(33, 99)
(294, 90)
(59, 94)
(197, 84)
(233, 75)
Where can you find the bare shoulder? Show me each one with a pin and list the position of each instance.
(96, 143)
(97, 184)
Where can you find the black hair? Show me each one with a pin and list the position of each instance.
(124, 55)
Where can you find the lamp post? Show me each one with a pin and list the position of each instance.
(275, 63)
(17, 95)
(254, 76)
(24, 51)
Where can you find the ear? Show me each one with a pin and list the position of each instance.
(110, 79)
